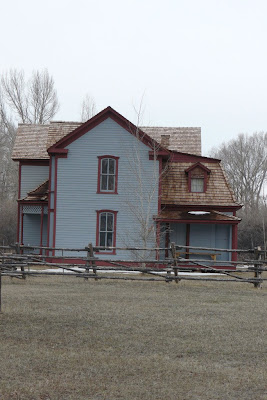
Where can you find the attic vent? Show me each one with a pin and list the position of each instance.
(165, 140)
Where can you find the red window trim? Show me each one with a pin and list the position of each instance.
(205, 170)
(98, 212)
(99, 191)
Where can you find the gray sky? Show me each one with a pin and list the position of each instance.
(196, 62)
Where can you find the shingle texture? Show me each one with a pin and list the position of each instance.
(175, 186)
(58, 129)
(40, 193)
(184, 140)
(32, 141)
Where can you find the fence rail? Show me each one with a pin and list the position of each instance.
(16, 262)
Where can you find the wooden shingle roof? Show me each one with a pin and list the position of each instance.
(175, 189)
(32, 141)
(188, 216)
(184, 140)
(40, 193)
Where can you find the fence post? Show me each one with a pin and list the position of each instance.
(17, 249)
(0, 290)
(87, 264)
(91, 250)
(173, 249)
(257, 273)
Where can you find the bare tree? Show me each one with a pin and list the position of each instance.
(245, 162)
(33, 101)
(88, 108)
(142, 197)
(8, 168)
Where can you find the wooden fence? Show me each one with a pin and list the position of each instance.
(17, 262)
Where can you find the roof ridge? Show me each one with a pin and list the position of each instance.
(66, 122)
(171, 127)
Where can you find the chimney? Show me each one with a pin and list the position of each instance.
(165, 140)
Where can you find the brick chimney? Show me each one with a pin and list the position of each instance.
(165, 140)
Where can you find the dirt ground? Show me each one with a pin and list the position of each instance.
(67, 338)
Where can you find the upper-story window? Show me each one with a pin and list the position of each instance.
(197, 184)
(198, 175)
(107, 174)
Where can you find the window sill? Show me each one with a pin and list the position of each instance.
(106, 252)
(99, 192)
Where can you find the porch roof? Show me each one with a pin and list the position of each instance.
(196, 216)
(40, 193)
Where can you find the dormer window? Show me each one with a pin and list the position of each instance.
(197, 178)
(197, 185)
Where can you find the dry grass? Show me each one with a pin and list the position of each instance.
(66, 338)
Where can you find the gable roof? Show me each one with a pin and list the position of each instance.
(33, 141)
(108, 112)
(197, 165)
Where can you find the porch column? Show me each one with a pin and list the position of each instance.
(187, 242)
(234, 241)
(41, 233)
(21, 227)
(157, 238)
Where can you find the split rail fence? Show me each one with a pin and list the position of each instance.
(17, 261)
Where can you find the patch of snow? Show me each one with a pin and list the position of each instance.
(113, 271)
(198, 212)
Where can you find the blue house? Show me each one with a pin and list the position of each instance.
(111, 183)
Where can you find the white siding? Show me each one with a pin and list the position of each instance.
(77, 200)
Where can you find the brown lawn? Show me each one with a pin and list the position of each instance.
(67, 338)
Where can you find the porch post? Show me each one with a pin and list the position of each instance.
(187, 243)
(41, 233)
(234, 241)
(157, 238)
(21, 227)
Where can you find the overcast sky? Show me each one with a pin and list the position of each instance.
(195, 62)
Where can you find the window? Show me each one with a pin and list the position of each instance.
(107, 174)
(197, 185)
(197, 178)
(106, 229)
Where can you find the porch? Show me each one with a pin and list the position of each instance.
(204, 229)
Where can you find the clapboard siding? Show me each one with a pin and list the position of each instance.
(223, 240)
(31, 230)
(77, 200)
(212, 236)
(32, 176)
(178, 234)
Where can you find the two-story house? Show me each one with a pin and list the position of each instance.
(111, 183)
